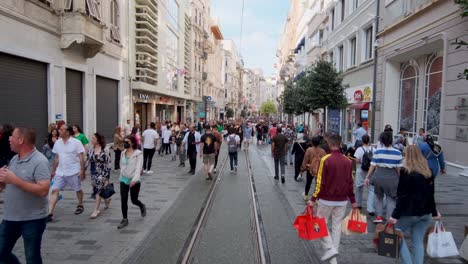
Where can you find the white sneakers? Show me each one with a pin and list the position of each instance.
(150, 172)
(145, 171)
(331, 253)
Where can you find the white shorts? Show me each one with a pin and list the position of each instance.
(61, 182)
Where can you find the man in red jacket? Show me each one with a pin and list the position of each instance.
(334, 187)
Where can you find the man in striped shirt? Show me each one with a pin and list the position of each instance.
(386, 163)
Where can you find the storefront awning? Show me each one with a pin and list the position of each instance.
(359, 106)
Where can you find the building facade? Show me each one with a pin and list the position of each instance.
(417, 75)
(68, 64)
(232, 81)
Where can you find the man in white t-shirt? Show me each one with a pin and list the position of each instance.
(150, 139)
(68, 168)
(166, 137)
(362, 167)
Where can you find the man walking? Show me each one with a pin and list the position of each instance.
(150, 140)
(334, 187)
(191, 141)
(219, 139)
(279, 147)
(233, 146)
(180, 145)
(290, 135)
(26, 183)
(358, 133)
(209, 144)
(247, 136)
(68, 168)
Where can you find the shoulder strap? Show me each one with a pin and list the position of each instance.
(300, 146)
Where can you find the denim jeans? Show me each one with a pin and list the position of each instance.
(233, 160)
(279, 162)
(370, 199)
(11, 231)
(290, 158)
(416, 226)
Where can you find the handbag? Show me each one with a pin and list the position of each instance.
(389, 243)
(309, 226)
(357, 222)
(464, 249)
(440, 243)
(107, 191)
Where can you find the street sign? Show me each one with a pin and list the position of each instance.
(208, 98)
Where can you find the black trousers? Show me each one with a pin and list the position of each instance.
(134, 192)
(216, 159)
(297, 167)
(308, 183)
(148, 155)
(192, 155)
(117, 152)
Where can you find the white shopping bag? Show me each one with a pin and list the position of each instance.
(440, 243)
(464, 249)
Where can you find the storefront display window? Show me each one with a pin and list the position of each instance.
(433, 92)
(408, 97)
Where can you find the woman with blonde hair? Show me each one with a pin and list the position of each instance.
(415, 203)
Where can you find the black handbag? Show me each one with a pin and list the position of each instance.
(107, 191)
(389, 243)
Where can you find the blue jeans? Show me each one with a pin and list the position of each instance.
(371, 199)
(31, 231)
(233, 160)
(416, 226)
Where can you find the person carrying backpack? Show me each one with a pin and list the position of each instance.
(363, 157)
(233, 145)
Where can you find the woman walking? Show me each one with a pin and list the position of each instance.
(415, 204)
(311, 163)
(298, 150)
(49, 145)
(434, 155)
(386, 163)
(136, 134)
(78, 134)
(118, 147)
(131, 164)
(99, 161)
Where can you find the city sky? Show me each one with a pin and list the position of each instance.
(263, 25)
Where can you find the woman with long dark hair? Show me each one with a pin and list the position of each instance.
(5, 151)
(78, 134)
(49, 145)
(131, 164)
(415, 204)
(100, 162)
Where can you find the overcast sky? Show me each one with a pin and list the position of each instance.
(263, 25)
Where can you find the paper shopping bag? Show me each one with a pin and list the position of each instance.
(389, 244)
(464, 249)
(345, 221)
(357, 222)
(309, 226)
(440, 243)
(388, 228)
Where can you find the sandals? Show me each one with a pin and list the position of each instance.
(79, 209)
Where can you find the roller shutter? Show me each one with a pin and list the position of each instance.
(107, 108)
(74, 83)
(23, 94)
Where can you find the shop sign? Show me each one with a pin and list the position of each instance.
(164, 99)
(358, 96)
(143, 96)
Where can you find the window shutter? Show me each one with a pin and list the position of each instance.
(68, 5)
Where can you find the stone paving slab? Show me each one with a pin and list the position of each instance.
(451, 199)
(78, 239)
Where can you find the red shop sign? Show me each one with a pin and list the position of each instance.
(358, 96)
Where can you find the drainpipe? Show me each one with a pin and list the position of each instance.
(374, 82)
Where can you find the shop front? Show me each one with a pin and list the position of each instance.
(143, 104)
(358, 110)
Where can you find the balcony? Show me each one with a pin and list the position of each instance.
(77, 27)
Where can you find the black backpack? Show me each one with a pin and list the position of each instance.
(367, 158)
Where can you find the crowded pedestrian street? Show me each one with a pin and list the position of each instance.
(175, 200)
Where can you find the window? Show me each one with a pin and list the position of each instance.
(332, 19)
(408, 97)
(343, 9)
(340, 58)
(173, 9)
(114, 28)
(321, 5)
(330, 57)
(93, 9)
(172, 47)
(355, 4)
(432, 94)
(320, 36)
(68, 5)
(352, 51)
(368, 42)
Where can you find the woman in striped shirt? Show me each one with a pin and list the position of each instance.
(384, 175)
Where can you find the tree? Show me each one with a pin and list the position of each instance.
(229, 113)
(322, 87)
(268, 108)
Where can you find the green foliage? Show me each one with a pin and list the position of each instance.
(268, 108)
(229, 113)
(463, 6)
(320, 87)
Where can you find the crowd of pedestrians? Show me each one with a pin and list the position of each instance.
(392, 170)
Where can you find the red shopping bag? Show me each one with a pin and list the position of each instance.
(309, 226)
(356, 223)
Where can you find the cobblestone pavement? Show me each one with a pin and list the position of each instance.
(451, 199)
(79, 239)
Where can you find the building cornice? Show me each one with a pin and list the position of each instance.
(28, 21)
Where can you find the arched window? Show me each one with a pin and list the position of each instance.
(115, 16)
(408, 96)
(433, 90)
